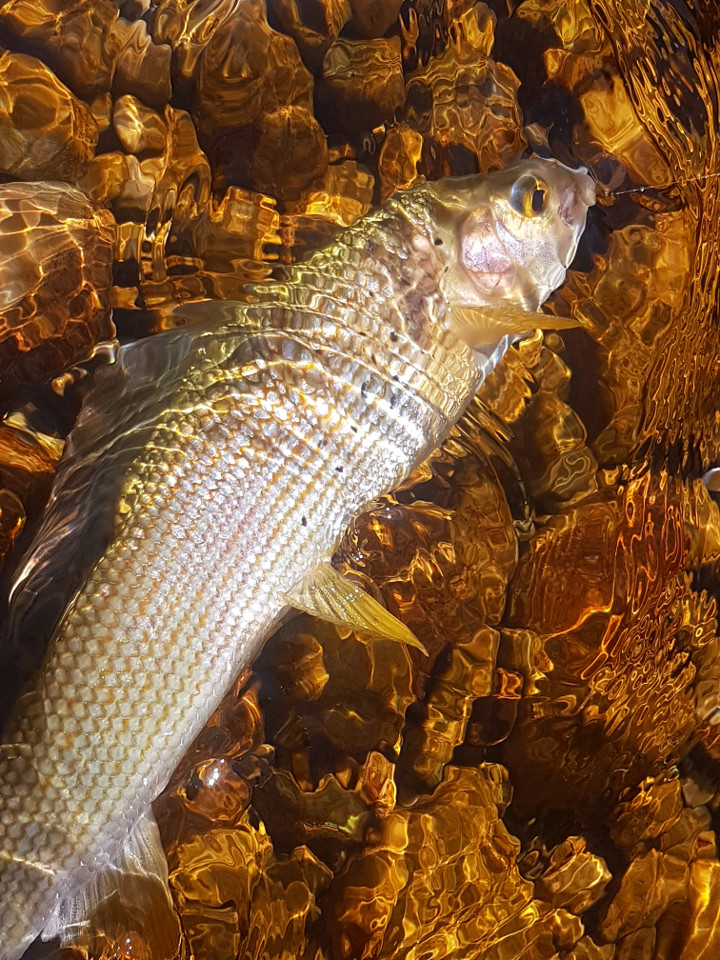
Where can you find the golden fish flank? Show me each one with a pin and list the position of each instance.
(204, 487)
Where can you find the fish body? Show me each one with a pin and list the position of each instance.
(210, 470)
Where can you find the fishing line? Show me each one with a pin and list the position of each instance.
(663, 186)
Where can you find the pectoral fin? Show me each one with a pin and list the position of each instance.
(326, 594)
(482, 325)
(550, 321)
(126, 901)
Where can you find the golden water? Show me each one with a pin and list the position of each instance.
(545, 783)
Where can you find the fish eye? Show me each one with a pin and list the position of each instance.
(529, 196)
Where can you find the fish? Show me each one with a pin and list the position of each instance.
(211, 472)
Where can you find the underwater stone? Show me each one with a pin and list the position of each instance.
(45, 131)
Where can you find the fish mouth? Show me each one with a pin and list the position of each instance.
(577, 197)
(574, 202)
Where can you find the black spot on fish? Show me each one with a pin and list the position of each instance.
(393, 336)
(415, 302)
(303, 521)
(438, 242)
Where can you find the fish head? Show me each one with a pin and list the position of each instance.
(512, 233)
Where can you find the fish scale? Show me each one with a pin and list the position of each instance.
(201, 671)
(210, 470)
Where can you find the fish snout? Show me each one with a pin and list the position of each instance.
(576, 197)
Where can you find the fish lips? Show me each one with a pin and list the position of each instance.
(577, 197)
(574, 203)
